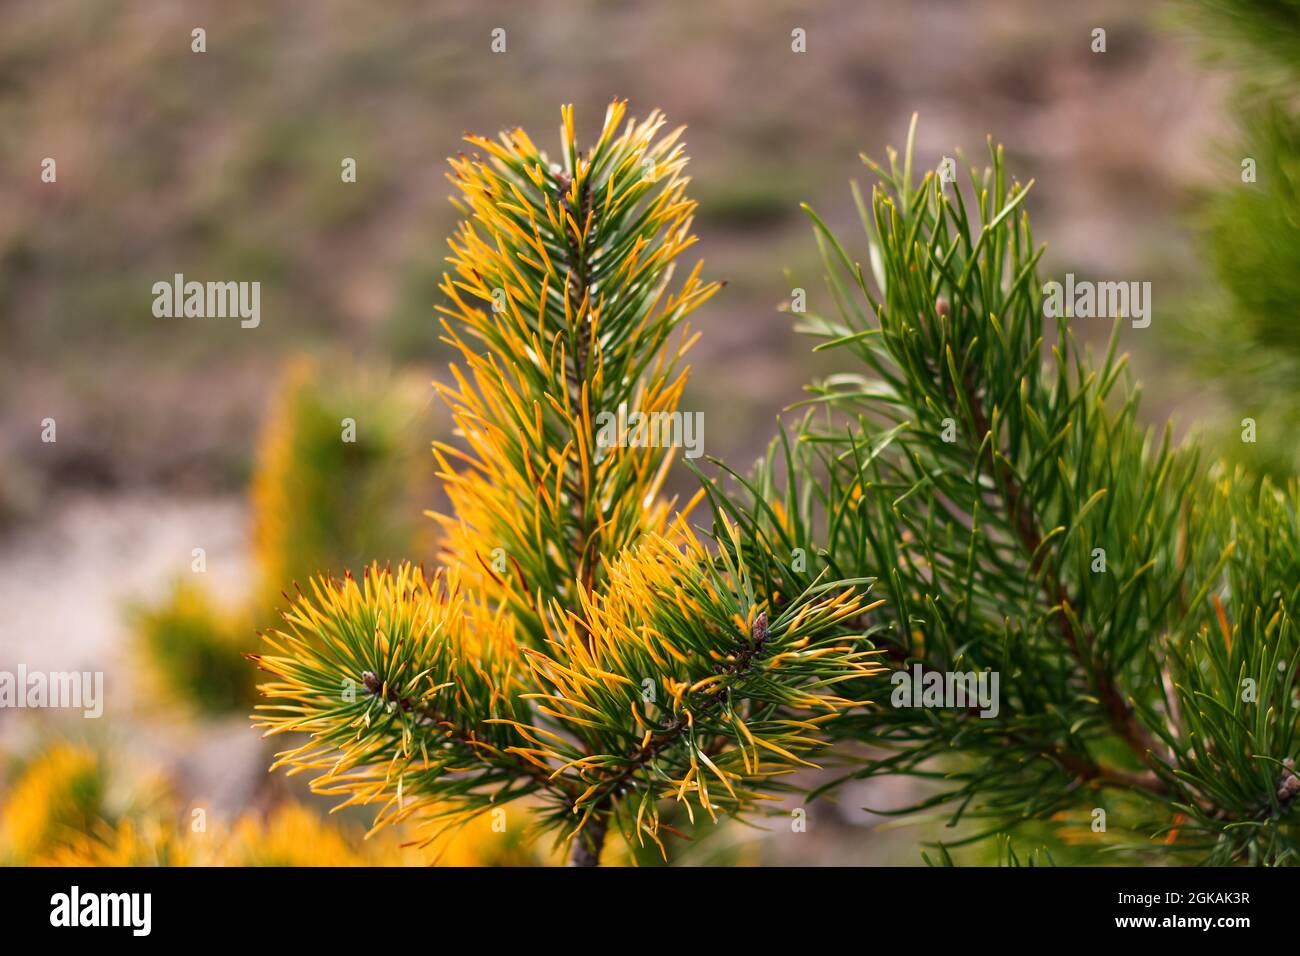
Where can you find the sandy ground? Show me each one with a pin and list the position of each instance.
(66, 579)
(66, 576)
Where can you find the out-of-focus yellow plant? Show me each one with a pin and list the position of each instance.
(291, 835)
(337, 475)
(146, 842)
(295, 835)
(58, 794)
(57, 813)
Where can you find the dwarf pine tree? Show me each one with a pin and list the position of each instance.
(581, 649)
(1136, 608)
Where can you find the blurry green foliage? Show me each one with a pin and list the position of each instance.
(336, 474)
(335, 485)
(195, 646)
(747, 197)
(1263, 34)
(1242, 333)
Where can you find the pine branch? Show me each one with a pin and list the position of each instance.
(1022, 523)
(1081, 645)
(584, 650)
(661, 684)
(573, 267)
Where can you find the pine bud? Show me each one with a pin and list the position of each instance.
(1289, 785)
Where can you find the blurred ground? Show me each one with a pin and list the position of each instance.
(225, 165)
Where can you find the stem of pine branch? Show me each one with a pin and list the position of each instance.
(375, 687)
(588, 844)
(1087, 769)
(1081, 765)
(579, 291)
(1120, 715)
(677, 727)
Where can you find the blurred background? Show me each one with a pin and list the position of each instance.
(177, 435)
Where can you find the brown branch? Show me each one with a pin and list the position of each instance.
(1083, 766)
(588, 844)
(675, 728)
(1121, 717)
(465, 735)
(1087, 769)
(578, 289)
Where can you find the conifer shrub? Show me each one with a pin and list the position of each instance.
(971, 508)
